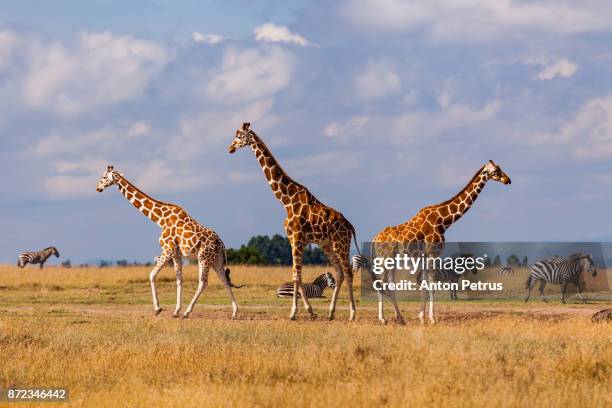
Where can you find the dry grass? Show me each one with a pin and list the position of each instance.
(92, 330)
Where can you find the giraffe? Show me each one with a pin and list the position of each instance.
(424, 233)
(181, 236)
(308, 221)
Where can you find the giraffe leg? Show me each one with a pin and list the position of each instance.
(220, 269)
(432, 277)
(178, 269)
(161, 261)
(203, 266)
(333, 260)
(297, 248)
(342, 254)
(398, 315)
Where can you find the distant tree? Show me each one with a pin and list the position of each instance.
(66, 264)
(122, 263)
(497, 261)
(525, 262)
(245, 256)
(277, 250)
(313, 255)
(105, 264)
(513, 260)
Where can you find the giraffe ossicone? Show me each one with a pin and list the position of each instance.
(182, 236)
(308, 221)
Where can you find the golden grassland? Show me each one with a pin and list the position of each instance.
(93, 330)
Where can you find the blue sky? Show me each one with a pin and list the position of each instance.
(379, 107)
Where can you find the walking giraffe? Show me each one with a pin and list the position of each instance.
(424, 233)
(181, 236)
(308, 221)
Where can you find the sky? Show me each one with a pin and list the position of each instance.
(379, 107)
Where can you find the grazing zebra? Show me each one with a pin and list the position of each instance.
(505, 271)
(313, 290)
(39, 257)
(560, 271)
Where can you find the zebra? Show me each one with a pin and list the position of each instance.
(505, 270)
(313, 290)
(39, 257)
(561, 271)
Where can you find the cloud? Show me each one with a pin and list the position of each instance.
(588, 134)
(101, 69)
(211, 39)
(342, 130)
(479, 20)
(328, 163)
(160, 176)
(250, 74)
(278, 34)
(562, 68)
(103, 140)
(377, 80)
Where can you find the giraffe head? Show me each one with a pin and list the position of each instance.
(494, 172)
(109, 177)
(244, 137)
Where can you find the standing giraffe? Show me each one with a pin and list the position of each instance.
(181, 236)
(308, 221)
(424, 233)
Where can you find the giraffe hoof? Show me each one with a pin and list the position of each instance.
(313, 316)
(175, 315)
(400, 320)
(185, 316)
(158, 311)
(331, 317)
(382, 321)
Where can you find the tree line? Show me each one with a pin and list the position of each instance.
(275, 250)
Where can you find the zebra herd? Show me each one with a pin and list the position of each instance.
(554, 270)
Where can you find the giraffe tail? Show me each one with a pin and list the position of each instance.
(355, 239)
(229, 280)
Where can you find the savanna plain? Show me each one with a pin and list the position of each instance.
(93, 331)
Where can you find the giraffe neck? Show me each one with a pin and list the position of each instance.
(462, 202)
(151, 208)
(281, 184)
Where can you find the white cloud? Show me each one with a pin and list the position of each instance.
(377, 80)
(250, 74)
(278, 34)
(138, 129)
(108, 139)
(562, 68)
(211, 39)
(589, 133)
(158, 176)
(479, 20)
(342, 130)
(101, 69)
(327, 163)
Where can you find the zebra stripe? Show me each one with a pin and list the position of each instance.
(560, 271)
(505, 271)
(39, 257)
(313, 290)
